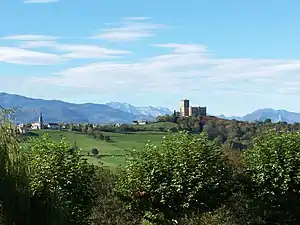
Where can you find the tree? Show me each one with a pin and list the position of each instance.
(99, 135)
(90, 131)
(56, 171)
(185, 174)
(109, 209)
(71, 127)
(107, 138)
(272, 166)
(95, 152)
(14, 185)
(84, 129)
(268, 121)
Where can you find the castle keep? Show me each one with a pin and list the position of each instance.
(186, 110)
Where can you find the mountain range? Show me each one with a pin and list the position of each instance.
(28, 110)
(268, 113)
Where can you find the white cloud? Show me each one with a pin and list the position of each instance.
(130, 29)
(187, 68)
(40, 1)
(31, 49)
(29, 37)
(27, 57)
(76, 51)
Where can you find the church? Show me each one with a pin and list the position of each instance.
(38, 125)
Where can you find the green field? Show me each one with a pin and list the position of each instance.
(112, 152)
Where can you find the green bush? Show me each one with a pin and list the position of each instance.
(108, 209)
(14, 184)
(273, 168)
(185, 174)
(60, 171)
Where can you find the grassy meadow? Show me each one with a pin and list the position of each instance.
(113, 152)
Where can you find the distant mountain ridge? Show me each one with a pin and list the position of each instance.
(60, 111)
(274, 115)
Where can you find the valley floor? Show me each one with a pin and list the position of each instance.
(112, 153)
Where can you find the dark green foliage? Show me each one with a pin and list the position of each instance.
(56, 171)
(273, 167)
(14, 185)
(95, 152)
(185, 174)
(109, 210)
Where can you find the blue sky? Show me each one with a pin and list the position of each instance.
(232, 56)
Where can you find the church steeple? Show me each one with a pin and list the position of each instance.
(41, 121)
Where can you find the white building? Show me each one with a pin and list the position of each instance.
(36, 126)
(53, 126)
(22, 128)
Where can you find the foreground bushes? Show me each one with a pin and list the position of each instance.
(49, 183)
(186, 174)
(187, 179)
(52, 184)
(109, 209)
(273, 168)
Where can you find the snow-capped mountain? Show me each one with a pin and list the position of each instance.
(140, 111)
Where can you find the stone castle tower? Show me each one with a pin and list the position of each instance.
(184, 108)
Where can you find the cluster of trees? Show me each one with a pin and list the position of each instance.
(88, 129)
(234, 134)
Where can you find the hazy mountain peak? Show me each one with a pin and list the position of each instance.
(140, 111)
(274, 115)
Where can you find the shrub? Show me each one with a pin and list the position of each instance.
(14, 184)
(95, 152)
(272, 166)
(109, 209)
(62, 172)
(186, 174)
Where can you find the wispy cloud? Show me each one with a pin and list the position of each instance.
(129, 29)
(27, 57)
(40, 1)
(50, 44)
(29, 37)
(185, 68)
(78, 51)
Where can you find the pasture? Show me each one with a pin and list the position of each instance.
(111, 153)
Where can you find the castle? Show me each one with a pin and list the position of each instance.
(186, 110)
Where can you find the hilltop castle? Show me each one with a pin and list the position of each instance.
(186, 110)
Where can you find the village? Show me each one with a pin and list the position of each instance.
(185, 110)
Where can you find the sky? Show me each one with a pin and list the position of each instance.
(232, 56)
